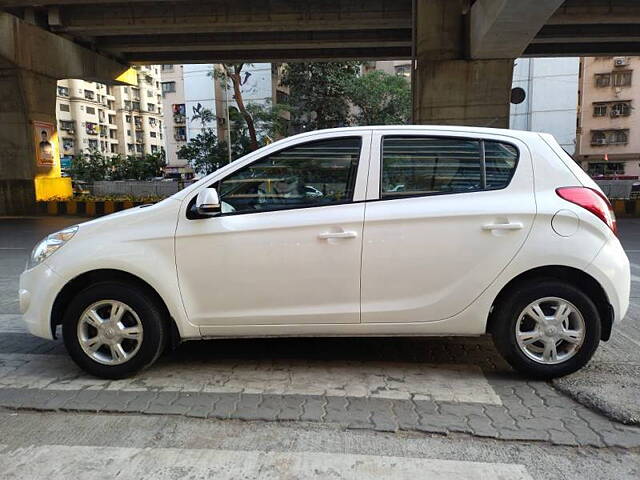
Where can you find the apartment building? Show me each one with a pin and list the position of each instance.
(189, 90)
(110, 119)
(175, 119)
(608, 125)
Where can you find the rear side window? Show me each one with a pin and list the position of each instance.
(421, 165)
(500, 163)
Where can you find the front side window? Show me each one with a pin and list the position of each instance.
(415, 166)
(313, 174)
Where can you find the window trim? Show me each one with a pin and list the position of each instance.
(191, 214)
(483, 174)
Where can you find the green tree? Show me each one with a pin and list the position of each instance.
(91, 166)
(204, 152)
(380, 99)
(317, 97)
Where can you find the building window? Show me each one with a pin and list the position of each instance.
(64, 107)
(168, 87)
(598, 138)
(67, 125)
(167, 68)
(619, 137)
(610, 137)
(603, 79)
(63, 91)
(180, 134)
(599, 109)
(403, 70)
(91, 128)
(89, 95)
(151, 107)
(596, 169)
(93, 144)
(135, 105)
(130, 147)
(154, 148)
(91, 111)
(152, 134)
(622, 78)
(621, 109)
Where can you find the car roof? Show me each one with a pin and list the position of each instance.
(523, 134)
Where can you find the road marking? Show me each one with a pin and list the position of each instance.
(402, 381)
(82, 462)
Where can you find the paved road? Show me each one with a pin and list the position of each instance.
(341, 408)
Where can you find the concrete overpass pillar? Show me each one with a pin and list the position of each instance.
(31, 59)
(449, 88)
(26, 97)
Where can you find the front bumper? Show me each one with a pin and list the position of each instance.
(38, 289)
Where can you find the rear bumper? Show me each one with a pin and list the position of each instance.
(612, 270)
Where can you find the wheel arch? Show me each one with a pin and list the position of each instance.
(571, 275)
(80, 282)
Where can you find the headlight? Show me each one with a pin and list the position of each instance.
(49, 245)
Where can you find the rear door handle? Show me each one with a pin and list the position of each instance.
(327, 235)
(503, 226)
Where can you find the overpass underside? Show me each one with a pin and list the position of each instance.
(463, 50)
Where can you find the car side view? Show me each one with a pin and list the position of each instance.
(367, 231)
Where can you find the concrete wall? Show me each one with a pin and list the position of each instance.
(551, 103)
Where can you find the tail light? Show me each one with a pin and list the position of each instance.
(591, 200)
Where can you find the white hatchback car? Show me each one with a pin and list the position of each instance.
(492, 231)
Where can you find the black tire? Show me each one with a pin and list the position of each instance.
(505, 317)
(151, 315)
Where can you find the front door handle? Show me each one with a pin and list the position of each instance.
(328, 235)
(503, 226)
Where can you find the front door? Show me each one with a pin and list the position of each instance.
(447, 215)
(287, 248)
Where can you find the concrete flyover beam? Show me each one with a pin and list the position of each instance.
(28, 47)
(504, 28)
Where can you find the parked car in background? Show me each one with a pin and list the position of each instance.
(493, 231)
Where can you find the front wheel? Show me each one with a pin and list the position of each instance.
(546, 328)
(113, 330)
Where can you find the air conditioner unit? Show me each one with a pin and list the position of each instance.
(620, 62)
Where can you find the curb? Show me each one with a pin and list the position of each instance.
(85, 208)
(626, 208)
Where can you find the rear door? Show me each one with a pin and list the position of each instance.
(446, 213)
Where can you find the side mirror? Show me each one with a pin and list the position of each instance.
(208, 202)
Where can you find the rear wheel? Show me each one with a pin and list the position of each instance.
(546, 328)
(113, 330)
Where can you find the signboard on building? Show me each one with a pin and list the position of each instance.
(45, 148)
(65, 161)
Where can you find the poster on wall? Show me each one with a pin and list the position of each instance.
(45, 153)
